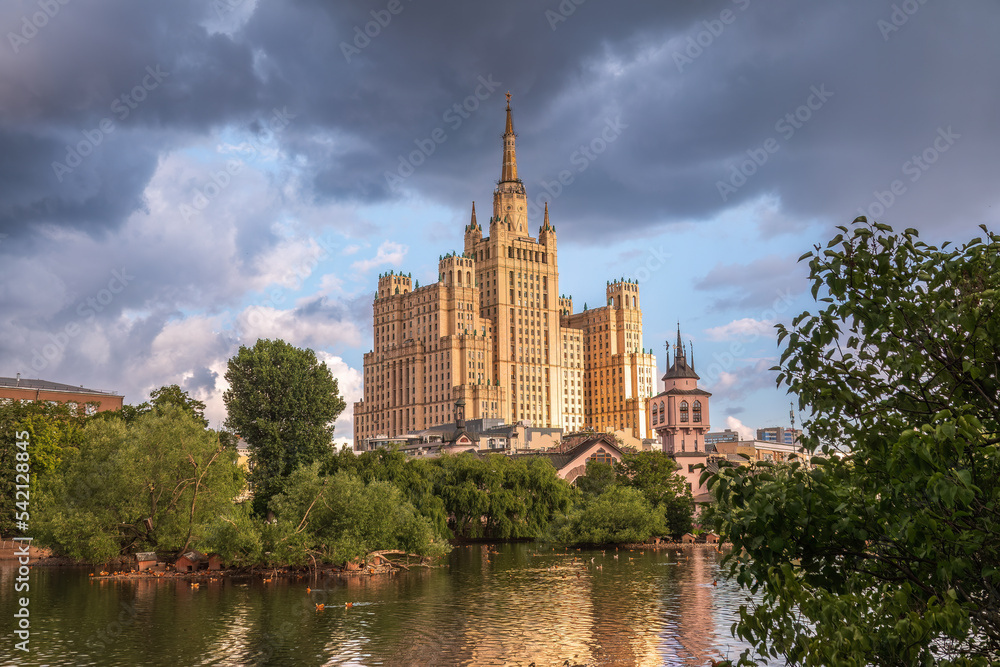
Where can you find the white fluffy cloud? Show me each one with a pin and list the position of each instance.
(389, 252)
(349, 381)
(746, 433)
(746, 327)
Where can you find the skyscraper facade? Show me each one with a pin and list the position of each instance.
(495, 332)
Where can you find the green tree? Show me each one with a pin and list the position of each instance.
(174, 395)
(415, 478)
(887, 550)
(344, 518)
(598, 478)
(158, 399)
(501, 497)
(654, 473)
(154, 484)
(620, 515)
(53, 432)
(283, 402)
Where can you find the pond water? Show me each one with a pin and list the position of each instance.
(506, 604)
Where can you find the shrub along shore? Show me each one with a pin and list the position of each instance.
(157, 479)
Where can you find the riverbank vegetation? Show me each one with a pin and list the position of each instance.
(628, 502)
(155, 477)
(887, 551)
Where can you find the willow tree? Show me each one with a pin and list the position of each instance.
(887, 550)
(154, 484)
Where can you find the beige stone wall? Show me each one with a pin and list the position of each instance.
(574, 415)
(618, 376)
(495, 331)
(430, 347)
(518, 280)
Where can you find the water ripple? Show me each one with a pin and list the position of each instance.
(491, 605)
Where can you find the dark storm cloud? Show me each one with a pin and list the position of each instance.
(769, 284)
(695, 89)
(647, 107)
(93, 100)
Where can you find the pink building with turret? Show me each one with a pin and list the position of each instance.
(679, 415)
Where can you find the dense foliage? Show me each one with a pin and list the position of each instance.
(153, 484)
(346, 518)
(887, 551)
(653, 473)
(495, 497)
(639, 498)
(53, 430)
(154, 477)
(501, 497)
(283, 402)
(618, 515)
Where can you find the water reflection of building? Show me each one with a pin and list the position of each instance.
(697, 627)
(559, 606)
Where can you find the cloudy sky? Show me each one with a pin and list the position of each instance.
(180, 178)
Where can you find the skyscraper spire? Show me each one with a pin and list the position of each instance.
(509, 171)
(510, 123)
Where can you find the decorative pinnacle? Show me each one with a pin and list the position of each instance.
(508, 172)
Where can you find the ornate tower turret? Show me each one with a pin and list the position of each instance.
(510, 204)
(473, 232)
(680, 414)
(547, 233)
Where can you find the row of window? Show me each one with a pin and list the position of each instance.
(659, 412)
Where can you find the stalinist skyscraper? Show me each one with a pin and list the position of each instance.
(494, 331)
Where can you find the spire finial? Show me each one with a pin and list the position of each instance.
(509, 170)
